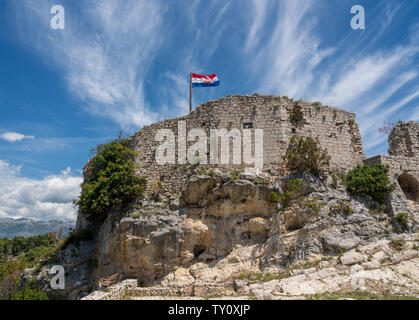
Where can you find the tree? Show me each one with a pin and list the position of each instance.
(305, 155)
(112, 181)
(369, 180)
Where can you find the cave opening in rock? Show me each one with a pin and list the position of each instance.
(410, 186)
(198, 250)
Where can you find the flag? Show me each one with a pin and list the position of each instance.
(199, 80)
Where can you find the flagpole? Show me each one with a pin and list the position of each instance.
(190, 92)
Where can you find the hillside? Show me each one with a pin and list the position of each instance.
(10, 228)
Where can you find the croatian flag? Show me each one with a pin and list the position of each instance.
(199, 80)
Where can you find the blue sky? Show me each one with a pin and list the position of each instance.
(123, 64)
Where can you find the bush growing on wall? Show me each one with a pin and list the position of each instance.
(369, 180)
(112, 182)
(305, 155)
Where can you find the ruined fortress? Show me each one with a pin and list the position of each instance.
(281, 118)
(210, 222)
(278, 116)
(403, 160)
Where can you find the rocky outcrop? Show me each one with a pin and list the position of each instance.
(228, 228)
(373, 270)
(224, 231)
(271, 235)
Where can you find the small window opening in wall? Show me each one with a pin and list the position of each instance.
(276, 109)
(293, 130)
(248, 125)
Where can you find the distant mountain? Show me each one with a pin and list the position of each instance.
(10, 228)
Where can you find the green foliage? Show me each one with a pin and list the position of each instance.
(30, 292)
(260, 277)
(285, 199)
(274, 197)
(294, 185)
(397, 244)
(305, 155)
(297, 116)
(235, 174)
(312, 205)
(318, 104)
(369, 180)
(343, 207)
(112, 182)
(403, 218)
(16, 255)
(31, 248)
(358, 295)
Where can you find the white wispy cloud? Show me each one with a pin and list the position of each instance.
(46, 199)
(291, 52)
(352, 74)
(14, 136)
(104, 53)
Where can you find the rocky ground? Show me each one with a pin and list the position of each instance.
(241, 236)
(380, 269)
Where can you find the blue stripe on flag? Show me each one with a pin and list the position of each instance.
(214, 84)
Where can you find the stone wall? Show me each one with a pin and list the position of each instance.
(403, 161)
(278, 116)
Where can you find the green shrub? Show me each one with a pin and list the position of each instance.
(313, 205)
(274, 197)
(397, 244)
(343, 207)
(235, 174)
(30, 292)
(305, 155)
(295, 185)
(112, 182)
(369, 180)
(403, 218)
(285, 199)
(16, 255)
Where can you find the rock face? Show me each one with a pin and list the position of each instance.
(213, 219)
(230, 230)
(219, 231)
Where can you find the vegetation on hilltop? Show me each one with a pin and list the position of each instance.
(112, 181)
(304, 154)
(372, 181)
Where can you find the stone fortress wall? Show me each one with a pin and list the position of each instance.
(278, 116)
(403, 160)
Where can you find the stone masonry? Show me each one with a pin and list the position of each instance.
(403, 160)
(278, 116)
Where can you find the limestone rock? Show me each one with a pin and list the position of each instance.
(337, 241)
(197, 188)
(351, 257)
